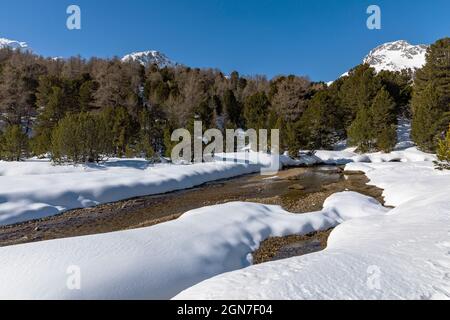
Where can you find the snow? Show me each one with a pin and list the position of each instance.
(12, 44)
(159, 262)
(402, 182)
(373, 252)
(147, 58)
(404, 151)
(397, 56)
(334, 157)
(404, 129)
(404, 254)
(35, 189)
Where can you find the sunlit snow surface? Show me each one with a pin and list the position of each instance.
(160, 261)
(402, 255)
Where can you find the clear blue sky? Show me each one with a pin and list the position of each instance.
(318, 38)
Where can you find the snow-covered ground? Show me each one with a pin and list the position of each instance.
(373, 253)
(404, 254)
(35, 189)
(160, 261)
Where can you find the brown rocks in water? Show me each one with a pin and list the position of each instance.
(291, 246)
(296, 187)
(354, 173)
(330, 170)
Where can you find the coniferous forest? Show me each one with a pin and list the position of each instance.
(78, 110)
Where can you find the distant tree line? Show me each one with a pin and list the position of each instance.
(78, 110)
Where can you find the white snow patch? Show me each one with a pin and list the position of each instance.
(159, 262)
(35, 188)
(401, 255)
(13, 44)
(147, 58)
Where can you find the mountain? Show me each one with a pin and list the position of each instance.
(13, 44)
(397, 56)
(147, 58)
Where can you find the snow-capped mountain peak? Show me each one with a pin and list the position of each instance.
(150, 57)
(13, 44)
(397, 56)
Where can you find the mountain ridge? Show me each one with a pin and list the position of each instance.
(397, 56)
(150, 57)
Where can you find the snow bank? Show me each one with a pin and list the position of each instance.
(160, 261)
(35, 189)
(405, 151)
(349, 155)
(402, 255)
(403, 182)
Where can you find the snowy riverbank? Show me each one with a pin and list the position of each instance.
(35, 188)
(401, 255)
(160, 261)
(373, 254)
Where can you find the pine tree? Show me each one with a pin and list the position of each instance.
(121, 129)
(360, 133)
(321, 126)
(290, 134)
(383, 121)
(53, 108)
(431, 98)
(357, 91)
(205, 113)
(233, 110)
(443, 152)
(150, 135)
(426, 124)
(80, 138)
(386, 138)
(13, 144)
(399, 86)
(255, 111)
(86, 96)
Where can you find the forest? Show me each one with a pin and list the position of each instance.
(76, 110)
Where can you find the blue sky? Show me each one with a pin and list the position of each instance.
(318, 38)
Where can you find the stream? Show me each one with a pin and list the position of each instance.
(297, 190)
